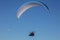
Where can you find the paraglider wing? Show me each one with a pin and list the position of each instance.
(29, 5)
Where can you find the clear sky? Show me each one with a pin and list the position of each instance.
(45, 25)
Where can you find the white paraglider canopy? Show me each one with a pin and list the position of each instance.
(28, 5)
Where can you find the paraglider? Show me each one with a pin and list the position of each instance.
(28, 5)
(32, 34)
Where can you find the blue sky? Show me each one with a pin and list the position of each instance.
(45, 25)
